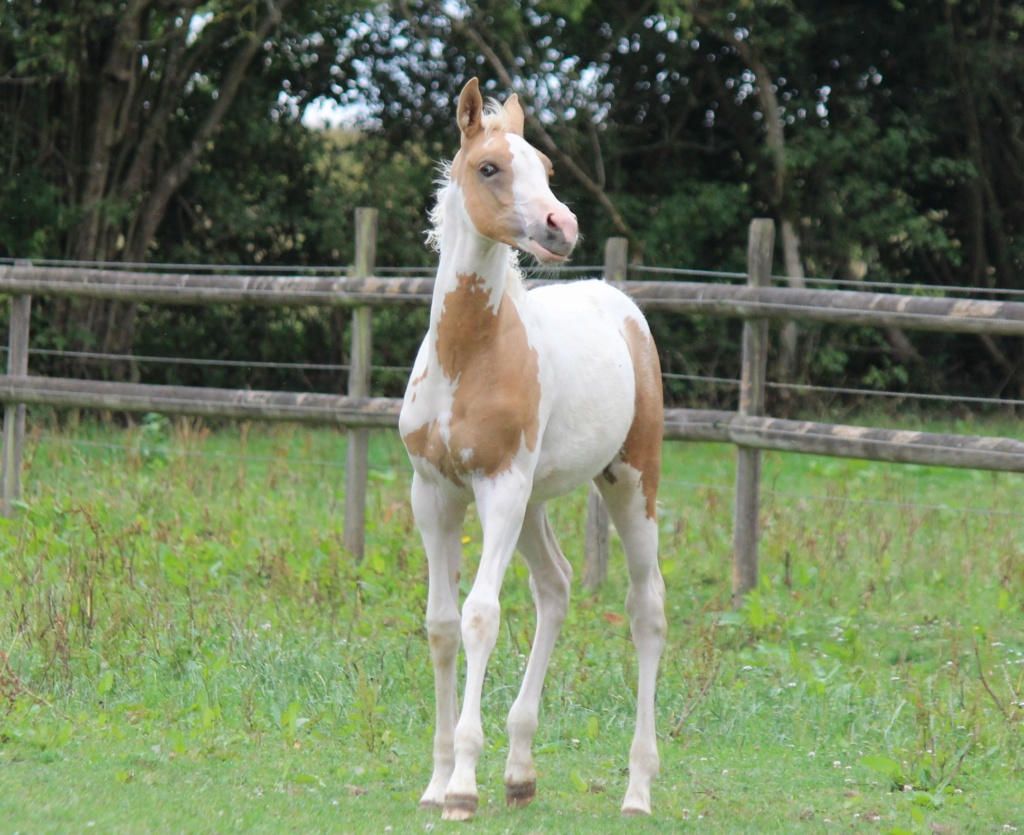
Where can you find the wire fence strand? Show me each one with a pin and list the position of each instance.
(729, 382)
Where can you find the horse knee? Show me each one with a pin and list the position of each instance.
(480, 621)
(444, 636)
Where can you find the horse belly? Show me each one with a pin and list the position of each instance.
(577, 447)
(593, 389)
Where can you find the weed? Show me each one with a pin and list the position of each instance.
(181, 617)
(151, 445)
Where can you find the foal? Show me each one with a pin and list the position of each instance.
(517, 397)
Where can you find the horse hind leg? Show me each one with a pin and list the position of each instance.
(631, 507)
(550, 582)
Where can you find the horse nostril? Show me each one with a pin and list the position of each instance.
(560, 228)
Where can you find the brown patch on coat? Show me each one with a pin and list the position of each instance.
(416, 381)
(642, 449)
(426, 442)
(495, 410)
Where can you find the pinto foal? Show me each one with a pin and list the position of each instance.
(516, 397)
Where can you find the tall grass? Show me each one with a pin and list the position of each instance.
(187, 646)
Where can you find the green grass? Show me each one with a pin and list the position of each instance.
(186, 646)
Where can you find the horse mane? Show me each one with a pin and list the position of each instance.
(494, 117)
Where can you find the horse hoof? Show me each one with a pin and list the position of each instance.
(634, 811)
(518, 795)
(459, 807)
(430, 805)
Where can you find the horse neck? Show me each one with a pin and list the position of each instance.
(471, 263)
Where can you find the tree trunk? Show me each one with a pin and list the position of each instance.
(775, 139)
(152, 213)
(116, 77)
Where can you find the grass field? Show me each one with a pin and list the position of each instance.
(186, 647)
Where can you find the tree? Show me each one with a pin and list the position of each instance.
(113, 105)
(884, 138)
(118, 102)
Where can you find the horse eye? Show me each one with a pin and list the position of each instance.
(488, 169)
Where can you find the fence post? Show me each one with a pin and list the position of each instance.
(746, 533)
(595, 565)
(14, 413)
(616, 253)
(357, 464)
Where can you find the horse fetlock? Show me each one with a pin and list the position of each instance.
(520, 775)
(643, 768)
(433, 797)
(522, 724)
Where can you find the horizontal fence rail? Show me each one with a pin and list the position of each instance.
(841, 307)
(233, 404)
(172, 288)
(836, 440)
(360, 289)
(895, 446)
(846, 307)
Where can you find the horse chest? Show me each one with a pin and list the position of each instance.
(474, 401)
(476, 424)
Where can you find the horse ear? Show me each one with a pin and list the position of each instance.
(516, 117)
(471, 106)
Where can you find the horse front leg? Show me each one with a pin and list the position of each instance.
(501, 503)
(439, 519)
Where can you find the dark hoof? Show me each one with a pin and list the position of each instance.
(459, 807)
(519, 795)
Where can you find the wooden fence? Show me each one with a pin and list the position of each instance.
(748, 429)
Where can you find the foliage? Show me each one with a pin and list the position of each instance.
(179, 615)
(885, 136)
(657, 118)
(114, 105)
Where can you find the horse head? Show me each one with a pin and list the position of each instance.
(505, 181)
